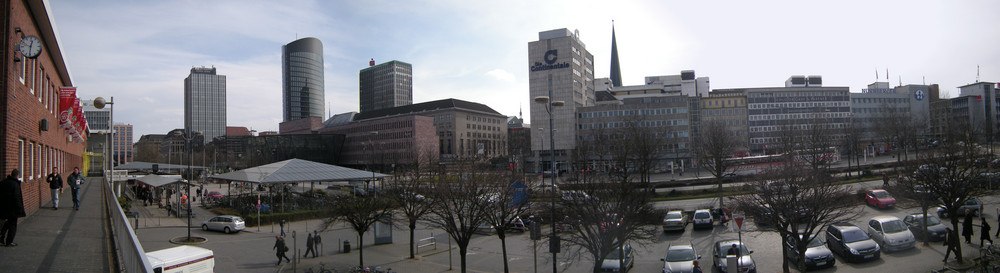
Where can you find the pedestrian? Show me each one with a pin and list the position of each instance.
(985, 233)
(317, 242)
(967, 227)
(697, 268)
(885, 180)
(280, 249)
(75, 180)
(56, 185)
(309, 246)
(951, 241)
(282, 225)
(11, 208)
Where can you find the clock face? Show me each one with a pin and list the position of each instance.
(31, 47)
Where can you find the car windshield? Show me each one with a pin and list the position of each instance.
(680, 255)
(725, 250)
(614, 254)
(237, 219)
(931, 220)
(673, 215)
(815, 242)
(702, 215)
(881, 194)
(893, 226)
(972, 202)
(854, 235)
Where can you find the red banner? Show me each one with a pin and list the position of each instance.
(66, 96)
(78, 121)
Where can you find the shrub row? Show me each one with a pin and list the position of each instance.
(267, 219)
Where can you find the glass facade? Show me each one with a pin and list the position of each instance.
(205, 102)
(386, 85)
(302, 79)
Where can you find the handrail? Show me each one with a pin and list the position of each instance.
(131, 257)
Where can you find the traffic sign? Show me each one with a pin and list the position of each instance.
(739, 220)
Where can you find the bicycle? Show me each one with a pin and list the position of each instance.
(322, 269)
(989, 259)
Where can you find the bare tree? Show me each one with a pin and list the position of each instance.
(459, 204)
(508, 199)
(361, 212)
(717, 148)
(407, 190)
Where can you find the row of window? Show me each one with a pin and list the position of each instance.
(35, 160)
(756, 129)
(637, 112)
(482, 127)
(483, 119)
(881, 100)
(879, 110)
(798, 116)
(785, 105)
(787, 94)
(644, 123)
(36, 80)
(716, 102)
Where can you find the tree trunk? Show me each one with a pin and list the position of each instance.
(461, 253)
(784, 254)
(361, 249)
(413, 226)
(718, 179)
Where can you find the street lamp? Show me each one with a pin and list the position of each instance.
(188, 136)
(549, 104)
(99, 103)
(371, 156)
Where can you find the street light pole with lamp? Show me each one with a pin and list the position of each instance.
(188, 136)
(99, 103)
(554, 241)
(371, 157)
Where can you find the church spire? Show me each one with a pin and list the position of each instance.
(616, 70)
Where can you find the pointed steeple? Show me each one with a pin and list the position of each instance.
(616, 70)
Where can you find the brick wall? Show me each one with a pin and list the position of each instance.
(24, 110)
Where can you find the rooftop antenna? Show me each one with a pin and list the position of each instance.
(876, 74)
(900, 80)
(977, 73)
(923, 80)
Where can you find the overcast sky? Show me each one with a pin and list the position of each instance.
(141, 51)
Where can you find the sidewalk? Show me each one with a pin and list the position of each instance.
(63, 240)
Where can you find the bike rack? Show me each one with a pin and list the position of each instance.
(427, 242)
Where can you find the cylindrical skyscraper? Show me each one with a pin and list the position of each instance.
(302, 79)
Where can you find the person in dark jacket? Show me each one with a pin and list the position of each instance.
(967, 227)
(74, 181)
(317, 243)
(309, 246)
(951, 241)
(985, 232)
(55, 184)
(280, 249)
(11, 208)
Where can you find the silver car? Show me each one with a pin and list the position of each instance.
(890, 233)
(732, 247)
(680, 259)
(674, 220)
(224, 223)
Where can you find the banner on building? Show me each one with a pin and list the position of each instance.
(66, 96)
(79, 121)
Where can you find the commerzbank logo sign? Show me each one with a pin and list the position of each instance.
(550, 58)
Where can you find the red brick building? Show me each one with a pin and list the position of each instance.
(32, 140)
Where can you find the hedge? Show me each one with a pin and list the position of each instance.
(267, 219)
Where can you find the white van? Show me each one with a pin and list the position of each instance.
(184, 259)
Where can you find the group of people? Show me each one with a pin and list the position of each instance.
(313, 244)
(968, 229)
(12, 203)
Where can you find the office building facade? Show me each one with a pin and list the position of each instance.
(205, 103)
(385, 85)
(302, 89)
(561, 68)
(802, 103)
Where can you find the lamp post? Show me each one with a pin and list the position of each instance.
(188, 136)
(371, 157)
(554, 241)
(99, 103)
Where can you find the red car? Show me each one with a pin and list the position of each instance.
(880, 198)
(214, 195)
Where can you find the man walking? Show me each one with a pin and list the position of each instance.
(309, 246)
(317, 241)
(56, 185)
(967, 227)
(11, 208)
(280, 249)
(75, 180)
(281, 224)
(985, 233)
(951, 241)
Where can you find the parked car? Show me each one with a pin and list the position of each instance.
(224, 223)
(891, 233)
(680, 258)
(817, 255)
(973, 205)
(935, 229)
(675, 220)
(729, 247)
(214, 195)
(485, 228)
(851, 243)
(614, 260)
(517, 225)
(879, 198)
(702, 219)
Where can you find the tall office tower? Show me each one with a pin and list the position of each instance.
(302, 88)
(205, 103)
(386, 85)
(616, 69)
(561, 68)
(122, 150)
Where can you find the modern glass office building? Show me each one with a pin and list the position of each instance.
(386, 85)
(205, 102)
(302, 88)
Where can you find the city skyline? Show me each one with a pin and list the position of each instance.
(136, 51)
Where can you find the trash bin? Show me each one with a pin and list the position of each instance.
(347, 246)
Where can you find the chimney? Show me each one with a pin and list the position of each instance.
(372, 62)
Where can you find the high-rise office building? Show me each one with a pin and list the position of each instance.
(560, 68)
(386, 85)
(302, 87)
(122, 151)
(205, 103)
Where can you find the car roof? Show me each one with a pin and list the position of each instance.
(702, 210)
(844, 226)
(680, 246)
(876, 190)
(728, 242)
(885, 218)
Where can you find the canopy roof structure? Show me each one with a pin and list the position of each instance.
(160, 180)
(138, 166)
(297, 170)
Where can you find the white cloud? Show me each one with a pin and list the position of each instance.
(501, 74)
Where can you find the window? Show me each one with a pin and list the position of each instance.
(20, 157)
(31, 85)
(31, 160)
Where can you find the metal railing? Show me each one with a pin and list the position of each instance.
(129, 253)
